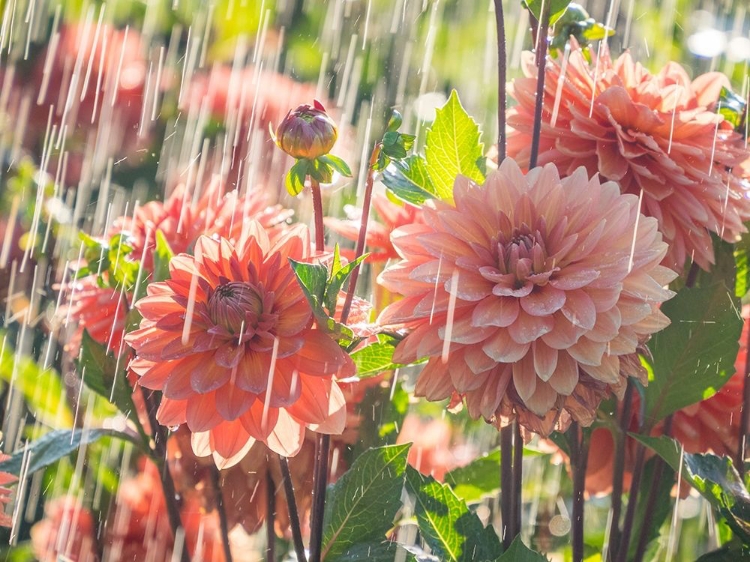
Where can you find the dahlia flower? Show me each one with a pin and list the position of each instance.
(230, 342)
(527, 294)
(655, 134)
(102, 310)
(5, 492)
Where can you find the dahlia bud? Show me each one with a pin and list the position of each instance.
(307, 132)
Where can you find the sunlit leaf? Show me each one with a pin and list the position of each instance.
(385, 551)
(163, 254)
(294, 181)
(452, 147)
(556, 10)
(336, 281)
(694, 356)
(337, 164)
(375, 359)
(54, 445)
(42, 389)
(408, 180)
(451, 530)
(371, 486)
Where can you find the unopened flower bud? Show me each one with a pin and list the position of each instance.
(307, 132)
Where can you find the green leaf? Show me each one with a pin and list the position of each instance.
(106, 375)
(394, 122)
(694, 356)
(312, 277)
(452, 147)
(451, 530)
(375, 359)
(408, 180)
(41, 388)
(294, 181)
(714, 477)
(382, 415)
(386, 551)
(163, 254)
(338, 277)
(556, 10)
(519, 552)
(54, 445)
(477, 479)
(662, 508)
(732, 107)
(337, 164)
(371, 486)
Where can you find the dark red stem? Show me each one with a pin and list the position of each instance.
(502, 79)
(506, 484)
(317, 198)
(299, 546)
(271, 518)
(320, 481)
(541, 56)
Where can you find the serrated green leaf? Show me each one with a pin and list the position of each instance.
(408, 180)
(374, 359)
(163, 254)
(371, 486)
(105, 375)
(312, 277)
(519, 552)
(337, 280)
(452, 147)
(694, 356)
(54, 445)
(42, 389)
(556, 10)
(714, 477)
(451, 530)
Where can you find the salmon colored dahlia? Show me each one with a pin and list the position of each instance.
(102, 310)
(526, 295)
(231, 343)
(657, 133)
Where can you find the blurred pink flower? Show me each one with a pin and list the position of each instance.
(230, 341)
(5, 492)
(378, 241)
(529, 295)
(657, 134)
(67, 532)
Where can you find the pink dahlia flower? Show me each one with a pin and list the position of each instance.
(658, 134)
(230, 341)
(529, 295)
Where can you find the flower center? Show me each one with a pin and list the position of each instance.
(235, 305)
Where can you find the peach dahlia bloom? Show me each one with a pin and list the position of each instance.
(526, 295)
(102, 310)
(655, 133)
(231, 343)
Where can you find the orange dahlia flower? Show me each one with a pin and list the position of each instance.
(230, 342)
(102, 310)
(655, 134)
(529, 295)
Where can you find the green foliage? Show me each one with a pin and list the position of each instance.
(106, 375)
(694, 356)
(371, 486)
(41, 388)
(715, 478)
(519, 552)
(384, 551)
(163, 254)
(382, 415)
(395, 145)
(451, 530)
(54, 445)
(730, 553)
(339, 275)
(575, 21)
(662, 507)
(556, 10)
(453, 147)
(376, 357)
(733, 108)
(408, 180)
(477, 479)
(320, 169)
